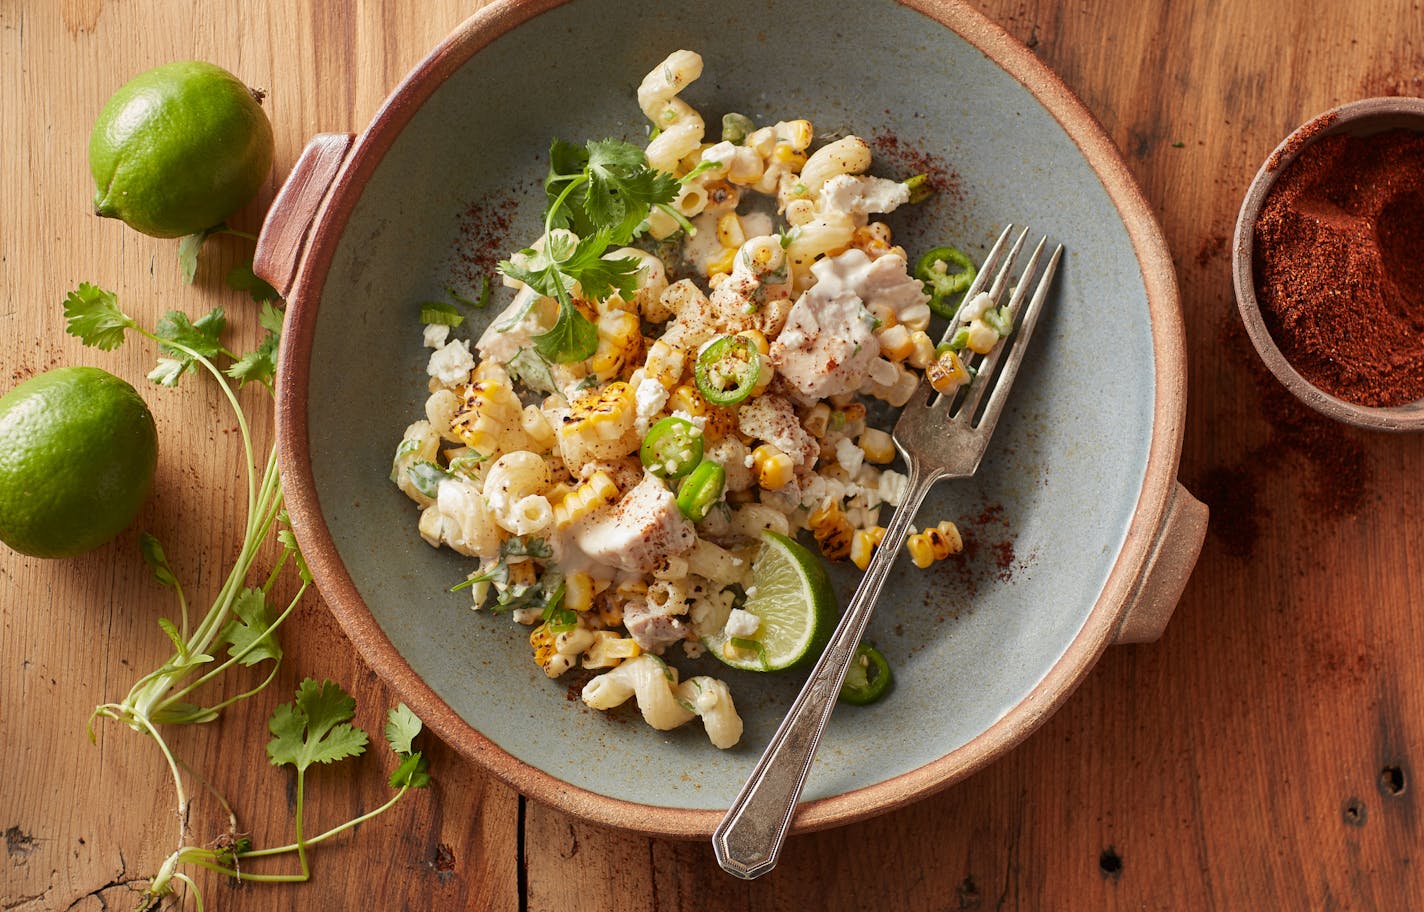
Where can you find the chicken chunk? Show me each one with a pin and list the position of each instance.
(642, 527)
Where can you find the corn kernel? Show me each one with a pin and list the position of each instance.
(578, 591)
(879, 447)
(982, 337)
(722, 263)
(946, 373)
(758, 339)
(951, 533)
(832, 530)
(798, 134)
(784, 154)
(620, 344)
(664, 363)
(862, 546)
(895, 343)
(923, 349)
(817, 420)
(729, 231)
(597, 491)
(920, 551)
(773, 468)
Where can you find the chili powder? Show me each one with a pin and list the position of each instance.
(1339, 266)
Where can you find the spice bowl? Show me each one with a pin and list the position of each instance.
(1328, 263)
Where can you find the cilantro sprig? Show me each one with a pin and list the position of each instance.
(599, 195)
(238, 632)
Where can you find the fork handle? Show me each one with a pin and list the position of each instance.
(748, 840)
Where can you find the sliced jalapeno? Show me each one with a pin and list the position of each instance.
(701, 490)
(672, 448)
(728, 370)
(941, 283)
(868, 677)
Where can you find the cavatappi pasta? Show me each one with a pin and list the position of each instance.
(758, 360)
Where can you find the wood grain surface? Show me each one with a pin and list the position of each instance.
(1262, 755)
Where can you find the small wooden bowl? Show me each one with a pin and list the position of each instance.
(1360, 118)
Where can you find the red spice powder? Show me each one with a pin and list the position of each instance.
(909, 161)
(1339, 266)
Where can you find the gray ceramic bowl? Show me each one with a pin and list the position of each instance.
(1086, 538)
(1359, 118)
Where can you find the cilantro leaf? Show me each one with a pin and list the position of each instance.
(188, 250)
(426, 477)
(288, 540)
(92, 314)
(315, 727)
(572, 338)
(413, 772)
(252, 625)
(201, 336)
(533, 546)
(567, 165)
(242, 278)
(259, 365)
(402, 725)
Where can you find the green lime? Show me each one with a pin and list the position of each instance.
(178, 149)
(792, 596)
(77, 454)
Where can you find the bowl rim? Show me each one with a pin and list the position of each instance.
(1339, 119)
(1100, 627)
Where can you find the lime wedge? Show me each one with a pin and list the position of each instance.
(792, 596)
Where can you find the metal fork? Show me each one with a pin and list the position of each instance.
(938, 437)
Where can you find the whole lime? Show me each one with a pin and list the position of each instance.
(77, 453)
(178, 149)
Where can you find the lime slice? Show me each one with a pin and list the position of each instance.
(792, 596)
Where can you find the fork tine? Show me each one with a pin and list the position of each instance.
(984, 366)
(996, 291)
(998, 395)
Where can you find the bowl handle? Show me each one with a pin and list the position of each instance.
(282, 243)
(1169, 564)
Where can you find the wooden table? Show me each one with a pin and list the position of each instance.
(1262, 755)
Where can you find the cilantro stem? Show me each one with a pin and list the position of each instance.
(574, 180)
(316, 840)
(681, 219)
(188, 882)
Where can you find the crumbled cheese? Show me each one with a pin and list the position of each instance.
(451, 363)
(975, 308)
(892, 487)
(649, 397)
(697, 421)
(861, 195)
(849, 455)
(741, 623)
(436, 334)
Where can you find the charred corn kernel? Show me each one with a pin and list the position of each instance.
(488, 410)
(620, 345)
(877, 445)
(946, 373)
(522, 572)
(729, 231)
(602, 415)
(583, 500)
(578, 591)
(817, 420)
(920, 551)
(758, 339)
(982, 337)
(772, 467)
(722, 195)
(784, 154)
(537, 426)
(664, 363)
(951, 534)
(895, 343)
(722, 263)
(831, 529)
(609, 650)
(609, 610)
(942, 545)
(922, 351)
(797, 133)
(541, 640)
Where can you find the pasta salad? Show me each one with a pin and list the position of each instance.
(679, 373)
